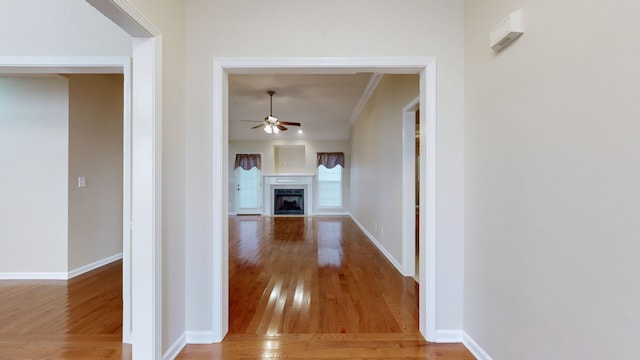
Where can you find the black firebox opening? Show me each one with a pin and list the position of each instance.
(288, 201)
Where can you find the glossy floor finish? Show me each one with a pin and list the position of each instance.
(76, 319)
(316, 288)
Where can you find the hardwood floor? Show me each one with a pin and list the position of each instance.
(300, 288)
(76, 319)
(316, 288)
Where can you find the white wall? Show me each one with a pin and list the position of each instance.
(227, 28)
(58, 28)
(95, 152)
(551, 181)
(376, 161)
(33, 181)
(312, 147)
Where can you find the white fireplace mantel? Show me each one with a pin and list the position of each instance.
(287, 181)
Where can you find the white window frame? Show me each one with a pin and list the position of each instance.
(319, 187)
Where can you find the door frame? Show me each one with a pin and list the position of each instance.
(408, 187)
(222, 67)
(92, 65)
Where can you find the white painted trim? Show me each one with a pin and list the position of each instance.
(324, 65)
(126, 16)
(147, 202)
(428, 210)
(220, 194)
(59, 275)
(89, 65)
(425, 66)
(174, 350)
(375, 242)
(64, 64)
(474, 347)
(33, 275)
(408, 188)
(368, 91)
(200, 337)
(94, 265)
(449, 336)
(338, 213)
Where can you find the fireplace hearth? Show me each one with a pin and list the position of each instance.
(288, 201)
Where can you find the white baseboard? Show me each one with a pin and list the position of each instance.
(33, 276)
(474, 347)
(175, 348)
(94, 265)
(200, 337)
(377, 244)
(59, 275)
(449, 336)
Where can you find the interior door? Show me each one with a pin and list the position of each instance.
(248, 191)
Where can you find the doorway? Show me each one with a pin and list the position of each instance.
(39, 65)
(248, 181)
(223, 67)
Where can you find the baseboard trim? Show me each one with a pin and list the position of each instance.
(94, 265)
(331, 214)
(449, 336)
(378, 245)
(33, 276)
(474, 347)
(200, 337)
(173, 351)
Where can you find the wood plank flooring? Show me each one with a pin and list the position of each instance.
(300, 288)
(52, 319)
(316, 288)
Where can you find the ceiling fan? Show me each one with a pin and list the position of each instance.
(271, 124)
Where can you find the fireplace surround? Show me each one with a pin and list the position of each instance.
(301, 182)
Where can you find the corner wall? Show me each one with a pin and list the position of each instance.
(552, 207)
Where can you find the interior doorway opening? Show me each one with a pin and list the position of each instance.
(224, 67)
(112, 65)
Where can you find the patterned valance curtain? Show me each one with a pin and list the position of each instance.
(330, 159)
(248, 161)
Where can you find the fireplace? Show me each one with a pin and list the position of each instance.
(288, 201)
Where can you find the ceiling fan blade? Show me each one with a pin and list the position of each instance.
(257, 126)
(289, 123)
(282, 128)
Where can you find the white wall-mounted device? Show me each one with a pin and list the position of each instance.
(509, 29)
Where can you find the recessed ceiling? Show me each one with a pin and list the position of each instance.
(323, 104)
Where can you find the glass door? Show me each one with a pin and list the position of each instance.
(248, 191)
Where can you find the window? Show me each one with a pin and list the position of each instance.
(330, 186)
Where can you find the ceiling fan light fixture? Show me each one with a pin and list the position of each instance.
(268, 129)
(272, 119)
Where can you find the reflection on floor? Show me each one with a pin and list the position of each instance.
(316, 288)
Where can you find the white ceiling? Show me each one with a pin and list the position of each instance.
(323, 104)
